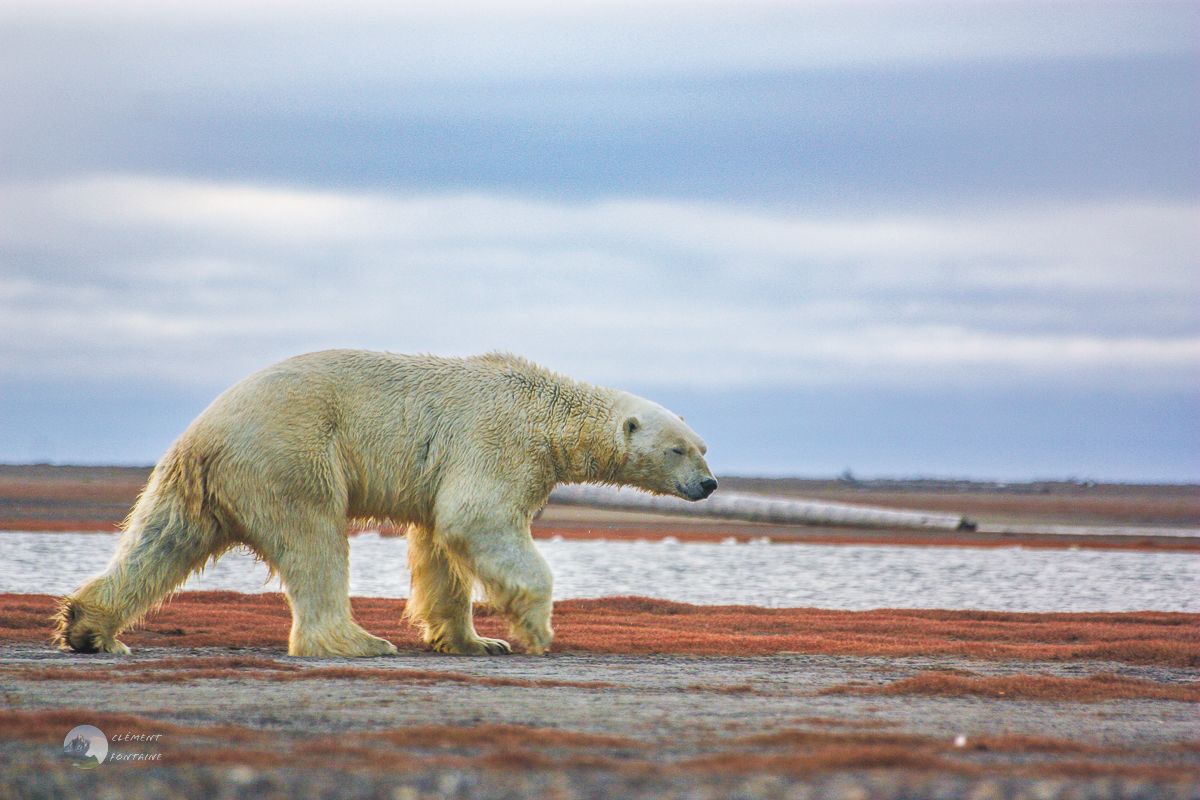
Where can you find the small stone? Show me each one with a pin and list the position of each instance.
(241, 776)
(1043, 790)
(800, 791)
(987, 790)
(841, 788)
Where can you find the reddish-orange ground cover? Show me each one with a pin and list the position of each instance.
(643, 625)
(1093, 688)
(525, 748)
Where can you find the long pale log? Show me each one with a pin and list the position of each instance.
(756, 508)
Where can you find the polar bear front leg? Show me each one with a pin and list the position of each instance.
(315, 570)
(519, 583)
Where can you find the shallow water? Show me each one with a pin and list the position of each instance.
(759, 573)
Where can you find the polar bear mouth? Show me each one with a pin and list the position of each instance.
(697, 491)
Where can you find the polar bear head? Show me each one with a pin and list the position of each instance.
(663, 455)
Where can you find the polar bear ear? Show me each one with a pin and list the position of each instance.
(631, 425)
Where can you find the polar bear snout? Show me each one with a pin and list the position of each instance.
(698, 490)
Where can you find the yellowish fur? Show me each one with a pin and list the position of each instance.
(462, 451)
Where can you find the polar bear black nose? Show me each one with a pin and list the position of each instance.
(708, 486)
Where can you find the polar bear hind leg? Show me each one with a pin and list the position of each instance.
(160, 548)
(440, 600)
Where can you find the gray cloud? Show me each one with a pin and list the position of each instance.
(830, 105)
(196, 280)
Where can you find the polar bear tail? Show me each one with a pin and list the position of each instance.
(169, 534)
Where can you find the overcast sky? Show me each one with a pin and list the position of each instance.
(905, 238)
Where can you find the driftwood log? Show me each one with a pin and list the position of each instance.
(757, 508)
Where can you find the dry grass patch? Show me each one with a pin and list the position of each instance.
(513, 747)
(1092, 689)
(183, 670)
(510, 736)
(643, 625)
(827, 759)
(639, 625)
(50, 726)
(523, 749)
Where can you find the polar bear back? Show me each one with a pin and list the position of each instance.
(379, 433)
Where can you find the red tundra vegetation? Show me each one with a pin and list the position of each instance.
(639, 625)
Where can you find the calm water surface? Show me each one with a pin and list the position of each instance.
(759, 573)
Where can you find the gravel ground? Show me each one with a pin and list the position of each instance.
(587, 726)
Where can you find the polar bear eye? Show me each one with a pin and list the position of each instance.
(677, 451)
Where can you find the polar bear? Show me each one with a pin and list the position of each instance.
(463, 452)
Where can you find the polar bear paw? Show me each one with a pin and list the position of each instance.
(469, 646)
(97, 644)
(374, 646)
(86, 628)
(115, 647)
(350, 642)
